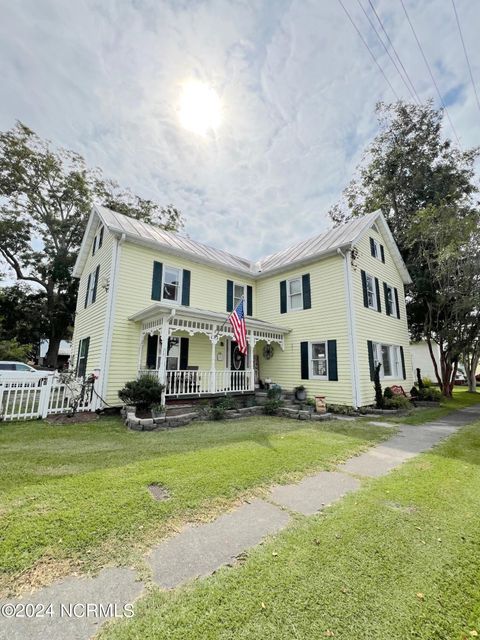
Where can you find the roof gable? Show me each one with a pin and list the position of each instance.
(319, 246)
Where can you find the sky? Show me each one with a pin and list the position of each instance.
(296, 84)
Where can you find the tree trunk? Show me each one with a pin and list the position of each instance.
(52, 353)
(435, 365)
(470, 370)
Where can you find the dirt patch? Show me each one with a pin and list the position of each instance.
(410, 509)
(158, 492)
(64, 418)
(44, 573)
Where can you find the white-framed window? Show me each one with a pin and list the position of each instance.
(319, 359)
(171, 284)
(83, 346)
(294, 294)
(173, 354)
(239, 290)
(388, 355)
(371, 292)
(390, 301)
(98, 239)
(376, 251)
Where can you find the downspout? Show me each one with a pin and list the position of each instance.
(352, 338)
(109, 315)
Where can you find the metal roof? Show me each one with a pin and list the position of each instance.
(326, 243)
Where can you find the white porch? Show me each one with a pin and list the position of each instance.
(212, 365)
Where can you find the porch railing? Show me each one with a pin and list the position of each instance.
(181, 382)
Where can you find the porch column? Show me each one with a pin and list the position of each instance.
(162, 369)
(252, 361)
(213, 341)
(140, 351)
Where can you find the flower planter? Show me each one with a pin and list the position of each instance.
(301, 394)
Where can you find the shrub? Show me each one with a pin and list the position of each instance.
(275, 392)
(379, 402)
(143, 392)
(397, 402)
(342, 409)
(216, 413)
(414, 392)
(388, 393)
(427, 382)
(271, 406)
(429, 394)
(226, 403)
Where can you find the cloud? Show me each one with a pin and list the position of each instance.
(297, 85)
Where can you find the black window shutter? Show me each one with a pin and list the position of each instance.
(229, 295)
(387, 303)
(88, 289)
(332, 360)
(364, 287)
(94, 246)
(186, 288)
(152, 344)
(372, 247)
(249, 300)
(382, 253)
(184, 353)
(402, 356)
(157, 281)
(100, 238)
(304, 360)
(396, 303)
(371, 362)
(377, 288)
(283, 298)
(307, 294)
(95, 284)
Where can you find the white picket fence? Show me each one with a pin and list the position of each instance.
(29, 396)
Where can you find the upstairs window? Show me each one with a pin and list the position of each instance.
(295, 294)
(376, 250)
(98, 240)
(171, 284)
(239, 291)
(371, 292)
(92, 283)
(390, 300)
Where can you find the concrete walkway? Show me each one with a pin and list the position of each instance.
(200, 550)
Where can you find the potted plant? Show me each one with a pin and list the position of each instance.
(158, 410)
(144, 392)
(300, 392)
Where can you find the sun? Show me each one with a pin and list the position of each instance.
(200, 108)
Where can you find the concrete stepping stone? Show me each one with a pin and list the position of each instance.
(106, 595)
(200, 550)
(315, 492)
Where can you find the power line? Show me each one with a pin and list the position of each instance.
(430, 71)
(369, 50)
(386, 49)
(466, 54)
(394, 50)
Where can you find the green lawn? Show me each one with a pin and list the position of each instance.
(461, 398)
(400, 559)
(75, 497)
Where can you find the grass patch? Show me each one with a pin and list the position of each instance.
(400, 559)
(77, 495)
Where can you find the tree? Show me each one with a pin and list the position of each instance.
(46, 195)
(23, 313)
(13, 350)
(414, 175)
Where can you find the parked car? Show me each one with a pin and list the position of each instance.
(18, 367)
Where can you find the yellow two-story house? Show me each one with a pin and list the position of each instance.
(320, 314)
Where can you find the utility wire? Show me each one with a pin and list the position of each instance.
(466, 54)
(430, 71)
(386, 49)
(394, 50)
(369, 50)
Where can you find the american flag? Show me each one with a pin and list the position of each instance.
(237, 320)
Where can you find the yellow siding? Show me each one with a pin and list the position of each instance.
(375, 326)
(208, 289)
(326, 320)
(90, 322)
